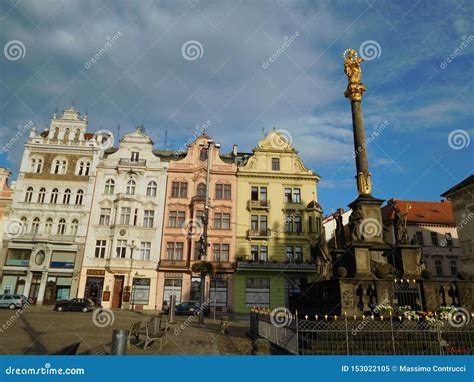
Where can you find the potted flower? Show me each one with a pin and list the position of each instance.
(383, 309)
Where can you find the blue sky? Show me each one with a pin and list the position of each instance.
(425, 101)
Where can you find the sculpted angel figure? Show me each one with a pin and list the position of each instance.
(352, 66)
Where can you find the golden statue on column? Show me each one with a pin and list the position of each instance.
(352, 62)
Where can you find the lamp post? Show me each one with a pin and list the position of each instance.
(132, 247)
(205, 220)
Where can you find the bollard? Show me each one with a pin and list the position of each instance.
(172, 306)
(156, 324)
(119, 342)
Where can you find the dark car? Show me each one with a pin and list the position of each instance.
(75, 305)
(190, 307)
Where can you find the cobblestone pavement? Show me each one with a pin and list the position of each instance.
(40, 330)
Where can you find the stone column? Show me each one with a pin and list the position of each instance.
(44, 280)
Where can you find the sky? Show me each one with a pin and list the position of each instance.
(244, 67)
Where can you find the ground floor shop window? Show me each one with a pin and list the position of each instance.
(63, 260)
(172, 287)
(13, 284)
(94, 288)
(18, 257)
(141, 291)
(218, 293)
(57, 288)
(257, 292)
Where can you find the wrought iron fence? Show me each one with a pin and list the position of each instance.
(362, 335)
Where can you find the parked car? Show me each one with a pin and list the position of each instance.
(12, 301)
(75, 305)
(190, 307)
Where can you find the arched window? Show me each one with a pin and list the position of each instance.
(54, 196)
(83, 168)
(29, 194)
(24, 224)
(109, 187)
(67, 196)
(36, 165)
(74, 227)
(62, 227)
(41, 195)
(151, 189)
(130, 190)
(35, 225)
(78, 134)
(201, 189)
(79, 197)
(48, 227)
(59, 166)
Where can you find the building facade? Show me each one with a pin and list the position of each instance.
(42, 251)
(185, 200)
(123, 244)
(462, 199)
(430, 225)
(278, 223)
(6, 196)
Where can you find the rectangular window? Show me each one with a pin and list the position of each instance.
(298, 254)
(223, 191)
(449, 239)
(434, 238)
(288, 223)
(199, 215)
(297, 224)
(135, 156)
(174, 251)
(257, 292)
(225, 221)
(454, 267)
(145, 250)
(125, 215)
(172, 219)
(220, 252)
(288, 193)
(263, 194)
(100, 247)
(254, 252)
(217, 221)
(289, 254)
(121, 249)
(254, 193)
(149, 219)
(296, 195)
(225, 252)
(216, 251)
(419, 237)
(275, 164)
(179, 189)
(181, 218)
(439, 267)
(227, 192)
(105, 216)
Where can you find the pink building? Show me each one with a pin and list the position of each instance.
(185, 197)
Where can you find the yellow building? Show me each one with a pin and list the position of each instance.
(278, 226)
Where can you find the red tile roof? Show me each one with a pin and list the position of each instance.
(420, 212)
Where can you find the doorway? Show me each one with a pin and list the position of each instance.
(118, 292)
(34, 288)
(94, 287)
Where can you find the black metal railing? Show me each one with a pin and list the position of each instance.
(346, 335)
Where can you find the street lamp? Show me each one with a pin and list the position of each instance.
(205, 220)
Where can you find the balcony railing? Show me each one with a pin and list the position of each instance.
(258, 204)
(136, 163)
(175, 264)
(262, 233)
(282, 265)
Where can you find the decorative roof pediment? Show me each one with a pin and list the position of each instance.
(276, 140)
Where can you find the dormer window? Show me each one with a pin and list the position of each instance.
(135, 156)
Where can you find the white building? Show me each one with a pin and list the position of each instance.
(45, 233)
(124, 239)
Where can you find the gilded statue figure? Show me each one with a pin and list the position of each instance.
(352, 66)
